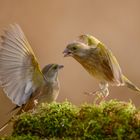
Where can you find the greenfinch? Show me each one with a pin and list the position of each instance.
(22, 80)
(99, 62)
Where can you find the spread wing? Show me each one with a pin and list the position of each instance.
(111, 62)
(20, 74)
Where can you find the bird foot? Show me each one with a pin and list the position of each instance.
(100, 95)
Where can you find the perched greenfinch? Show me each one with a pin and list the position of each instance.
(99, 62)
(22, 80)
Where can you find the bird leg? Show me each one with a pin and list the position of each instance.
(102, 93)
(35, 102)
(104, 89)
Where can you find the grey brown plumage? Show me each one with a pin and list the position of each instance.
(20, 75)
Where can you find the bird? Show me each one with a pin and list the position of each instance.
(21, 77)
(99, 61)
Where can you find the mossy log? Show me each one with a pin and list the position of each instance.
(110, 120)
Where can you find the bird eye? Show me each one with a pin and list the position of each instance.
(55, 67)
(74, 48)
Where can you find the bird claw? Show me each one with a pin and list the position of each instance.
(100, 94)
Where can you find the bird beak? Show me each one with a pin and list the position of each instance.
(61, 66)
(67, 52)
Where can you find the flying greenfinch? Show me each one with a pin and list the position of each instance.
(99, 62)
(22, 80)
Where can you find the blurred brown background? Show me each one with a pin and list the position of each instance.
(50, 24)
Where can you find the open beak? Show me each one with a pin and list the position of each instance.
(61, 66)
(67, 52)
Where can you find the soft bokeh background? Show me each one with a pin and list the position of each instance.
(50, 24)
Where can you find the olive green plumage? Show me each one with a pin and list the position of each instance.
(99, 61)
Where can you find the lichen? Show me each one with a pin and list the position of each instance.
(110, 120)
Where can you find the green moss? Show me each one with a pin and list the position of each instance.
(22, 137)
(112, 120)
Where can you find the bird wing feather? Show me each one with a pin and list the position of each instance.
(20, 74)
(112, 63)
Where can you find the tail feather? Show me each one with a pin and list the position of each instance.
(13, 109)
(5, 125)
(21, 110)
(130, 85)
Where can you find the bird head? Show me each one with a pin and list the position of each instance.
(76, 49)
(50, 71)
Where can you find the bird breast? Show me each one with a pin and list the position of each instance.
(98, 69)
(49, 92)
